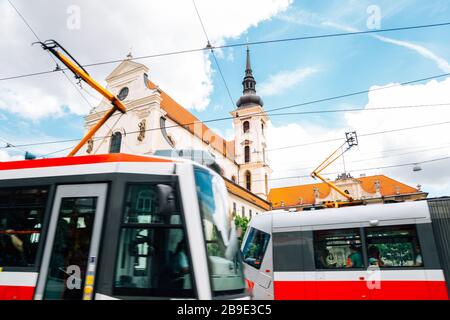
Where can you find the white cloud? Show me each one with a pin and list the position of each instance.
(281, 82)
(413, 146)
(303, 17)
(423, 51)
(108, 32)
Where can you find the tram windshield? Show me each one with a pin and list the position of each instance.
(220, 235)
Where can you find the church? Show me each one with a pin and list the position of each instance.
(155, 122)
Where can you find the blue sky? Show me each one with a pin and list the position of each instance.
(309, 69)
(344, 64)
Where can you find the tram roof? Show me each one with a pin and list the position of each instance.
(349, 217)
(89, 164)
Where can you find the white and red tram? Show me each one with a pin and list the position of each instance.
(116, 226)
(372, 252)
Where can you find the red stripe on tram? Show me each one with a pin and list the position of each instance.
(78, 160)
(357, 290)
(16, 293)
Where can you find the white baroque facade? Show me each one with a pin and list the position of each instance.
(155, 122)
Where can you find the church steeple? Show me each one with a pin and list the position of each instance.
(249, 82)
(249, 97)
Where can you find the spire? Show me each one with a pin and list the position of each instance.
(249, 82)
(248, 69)
(249, 96)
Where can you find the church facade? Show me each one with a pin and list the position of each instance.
(155, 122)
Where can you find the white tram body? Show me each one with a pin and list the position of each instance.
(372, 252)
(116, 226)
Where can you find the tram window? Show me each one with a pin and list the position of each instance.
(255, 247)
(142, 207)
(338, 249)
(153, 254)
(393, 246)
(224, 262)
(21, 215)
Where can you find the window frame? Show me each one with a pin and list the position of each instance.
(363, 251)
(113, 137)
(247, 156)
(223, 294)
(411, 225)
(46, 215)
(248, 180)
(365, 248)
(265, 249)
(153, 293)
(246, 126)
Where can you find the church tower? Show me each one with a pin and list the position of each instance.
(250, 125)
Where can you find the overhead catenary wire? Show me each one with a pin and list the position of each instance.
(360, 169)
(268, 150)
(58, 67)
(53, 58)
(363, 135)
(228, 118)
(251, 43)
(311, 166)
(268, 111)
(213, 53)
(290, 106)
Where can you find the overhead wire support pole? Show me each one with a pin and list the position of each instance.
(81, 73)
(351, 140)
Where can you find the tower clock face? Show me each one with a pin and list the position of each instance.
(123, 93)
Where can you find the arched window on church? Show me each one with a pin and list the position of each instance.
(247, 154)
(233, 178)
(262, 127)
(266, 180)
(116, 142)
(248, 180)
(246, 126)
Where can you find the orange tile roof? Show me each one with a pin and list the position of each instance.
(388, 186)
(291, 195)
(183, 117)
(243, 193)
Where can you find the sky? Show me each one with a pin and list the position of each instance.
(48, 107)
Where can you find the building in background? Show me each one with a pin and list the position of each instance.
(370, 189)
(156, 123)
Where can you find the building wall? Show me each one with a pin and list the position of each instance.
(250, 209)
(144, 111)
(353, 187)
(255, 138)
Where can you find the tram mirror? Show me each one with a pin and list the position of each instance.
(166, 199)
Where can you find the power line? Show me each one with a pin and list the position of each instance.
(176, 52)
(361, 169)
(357, 93)
(53, 58)
(360, 109)
(58, 67)
(363, 135)
(373, 158)
(268, 150)
(291, 113)
(213, 53)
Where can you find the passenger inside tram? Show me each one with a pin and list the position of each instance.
(180, 265)
(354, 259)
(418, 261)
(374, 256)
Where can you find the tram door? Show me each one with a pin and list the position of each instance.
(71, 249)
